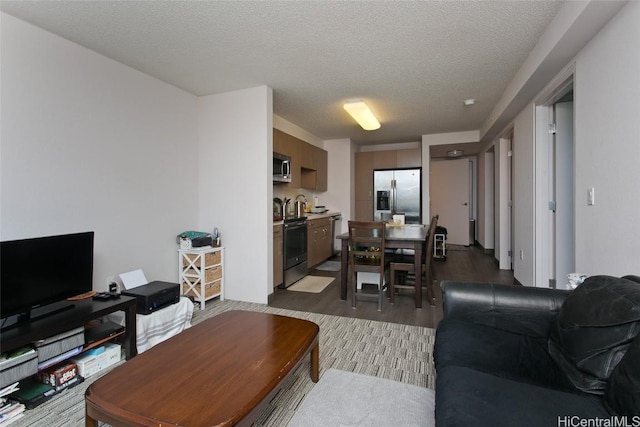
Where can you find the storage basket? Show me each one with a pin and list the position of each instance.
(210, 258)
(51, 347)
(213, 273)
(210, 290)
(17, 368)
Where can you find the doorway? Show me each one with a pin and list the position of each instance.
(555, 200)
(450, 194)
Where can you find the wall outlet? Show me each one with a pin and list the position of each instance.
(110, 280)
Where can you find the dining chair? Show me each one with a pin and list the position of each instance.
(366, 255)
(408, 280)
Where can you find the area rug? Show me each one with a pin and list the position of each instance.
(314, 284)
(385, 350)
(348, 399)
(329, 266)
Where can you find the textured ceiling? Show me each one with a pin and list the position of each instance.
(413, 62)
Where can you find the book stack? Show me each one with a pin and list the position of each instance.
(9, 411)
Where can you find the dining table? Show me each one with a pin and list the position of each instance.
(408, 236)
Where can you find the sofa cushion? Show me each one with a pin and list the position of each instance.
(465, 397)
(594, 328)
(502, 353)
(622, 395)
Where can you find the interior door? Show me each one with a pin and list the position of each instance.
(564, 212)
(450, 198)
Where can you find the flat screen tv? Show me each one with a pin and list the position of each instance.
(44, 270)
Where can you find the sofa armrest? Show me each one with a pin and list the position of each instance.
(513, 308)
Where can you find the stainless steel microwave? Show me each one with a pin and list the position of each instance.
(281, 168)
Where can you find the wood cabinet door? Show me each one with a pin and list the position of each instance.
(307, 154)
(312, 243)
(411, 158)
(322, 163)
(327, 243)
(363, 210)
(363, 176)
(385, 159)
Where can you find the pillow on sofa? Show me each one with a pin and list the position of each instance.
(594, 328)
(622, 396)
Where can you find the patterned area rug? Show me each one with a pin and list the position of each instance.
(385, 350)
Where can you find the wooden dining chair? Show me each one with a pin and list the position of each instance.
(366, 255)
(407, 268)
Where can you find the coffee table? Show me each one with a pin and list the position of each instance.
(223, 371)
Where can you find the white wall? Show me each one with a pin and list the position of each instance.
(236, 186)
(607, 107)
(523, 196)
(607, 130)
(339, 191)
(90, 144)
(485, 200)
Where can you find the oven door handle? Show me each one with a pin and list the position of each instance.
(294, 226)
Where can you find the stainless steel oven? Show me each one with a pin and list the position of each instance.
(295, 250)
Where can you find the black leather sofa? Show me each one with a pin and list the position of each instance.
(519, 356)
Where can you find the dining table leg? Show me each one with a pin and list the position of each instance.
(418, 272)
(344, 266)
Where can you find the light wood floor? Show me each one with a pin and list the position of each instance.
(462, 264)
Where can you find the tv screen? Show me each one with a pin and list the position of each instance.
(40, 271)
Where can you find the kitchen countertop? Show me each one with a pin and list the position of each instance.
(312, 216)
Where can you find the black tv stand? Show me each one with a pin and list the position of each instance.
(40, 313)
(64, 319)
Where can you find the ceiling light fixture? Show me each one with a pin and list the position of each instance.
(362, 114)
(469, 101)
(455, 153)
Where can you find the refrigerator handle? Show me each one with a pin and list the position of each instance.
(393, 196)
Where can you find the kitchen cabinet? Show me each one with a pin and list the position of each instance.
(308, 162)
(319, 241)
(322, 164)
(201, 273)
(385, 159)
(307, 155)
(278, 255)
(411, 158)
(363, 186)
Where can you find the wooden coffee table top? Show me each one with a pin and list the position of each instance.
(215, 373)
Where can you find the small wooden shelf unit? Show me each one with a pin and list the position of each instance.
(201, 273)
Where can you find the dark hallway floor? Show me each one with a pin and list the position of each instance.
(462, 264)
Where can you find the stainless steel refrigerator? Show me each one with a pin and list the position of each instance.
(397, 192)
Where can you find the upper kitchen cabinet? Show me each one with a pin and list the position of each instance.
(321, 172)
(308, 162)
(411, 158)
(394, 159)
(314, 171)
(385, 159)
